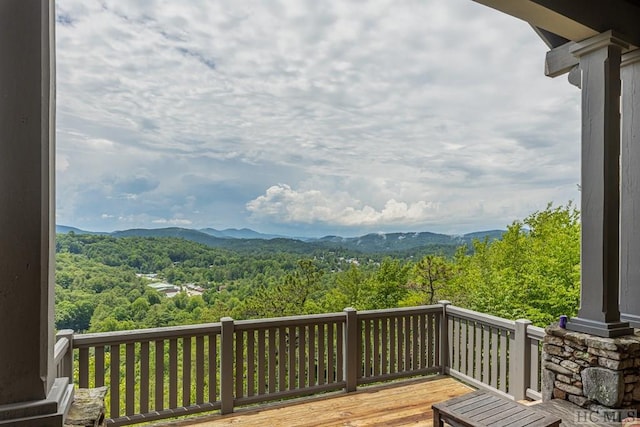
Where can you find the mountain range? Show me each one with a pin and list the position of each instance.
(238, 239)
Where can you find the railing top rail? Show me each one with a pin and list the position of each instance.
(487, 319)
(535, 332)
(404, 311)
(310, 319)
(137, 335)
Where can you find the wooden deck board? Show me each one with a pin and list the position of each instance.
(398, 404)
(572, 415)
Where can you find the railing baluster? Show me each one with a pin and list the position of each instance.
(313, 336)
(272, 360)
(302, 363)
(282, 357)
(441, 340)
(339, 351)
(173, 373)
(471, 345)
(213, 367)
(415, 334)
(144, 377)
(293, 337)
(429, 342)
(159, 375)
(251, 363)
(494, 358)
(130, 380)
(83, 369)
(503, 360)
(186, 371)
(486, 355)
(424, 346)
(407, 343)
(321, 354)
(114, 370)
(400, 342)
(463, 346)
(376, 346)
(455, 344)
(392, 345)
(239, 365)
(262, 369)
(478, 350)
(199, 369)
(99, 373)
(385, 346)
(367, 348)
(331, 377)
(450, 333)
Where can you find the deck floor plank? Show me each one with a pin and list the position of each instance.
(398, 404)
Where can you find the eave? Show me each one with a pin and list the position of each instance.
(576, 20)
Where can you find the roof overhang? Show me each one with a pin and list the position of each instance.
(575, 20)
(561, 24)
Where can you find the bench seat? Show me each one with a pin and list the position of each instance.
(482, 408)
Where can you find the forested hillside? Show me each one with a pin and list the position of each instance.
(532, 272)
(245, 240)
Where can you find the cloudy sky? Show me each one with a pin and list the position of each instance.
(306, 117)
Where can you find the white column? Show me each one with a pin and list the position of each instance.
(630, 190)
(30, 395)
(600, 58)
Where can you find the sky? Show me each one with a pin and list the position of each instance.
(307, 117)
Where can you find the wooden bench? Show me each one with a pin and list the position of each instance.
(482, 408)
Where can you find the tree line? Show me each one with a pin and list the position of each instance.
(532, 272)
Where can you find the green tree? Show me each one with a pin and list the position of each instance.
(389, 284)
(532, 272)
(428, 278)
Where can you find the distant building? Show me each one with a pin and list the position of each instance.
(165, 288)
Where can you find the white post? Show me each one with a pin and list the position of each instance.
(351, 364)
(599, 314)
(444, 338)
(226, 365)
(630, 190)
(28, 387)
(520, 361)
(67, 361)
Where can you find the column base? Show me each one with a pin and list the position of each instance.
(49, 412)
(633, 319)
(599, 329)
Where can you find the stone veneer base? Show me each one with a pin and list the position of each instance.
(592, 372)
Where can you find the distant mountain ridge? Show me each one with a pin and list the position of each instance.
(242, 233)
(244, 238)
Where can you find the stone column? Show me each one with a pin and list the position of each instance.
(599, 315)
(30, 395)
(630, 190)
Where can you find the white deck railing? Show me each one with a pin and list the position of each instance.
(494, 353)
(165, 372)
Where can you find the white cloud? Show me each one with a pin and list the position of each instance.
(284, 204)
(172, 221)
(393, 112)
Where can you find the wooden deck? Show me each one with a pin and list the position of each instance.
(398, 404)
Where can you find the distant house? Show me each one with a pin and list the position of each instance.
(165, 288)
